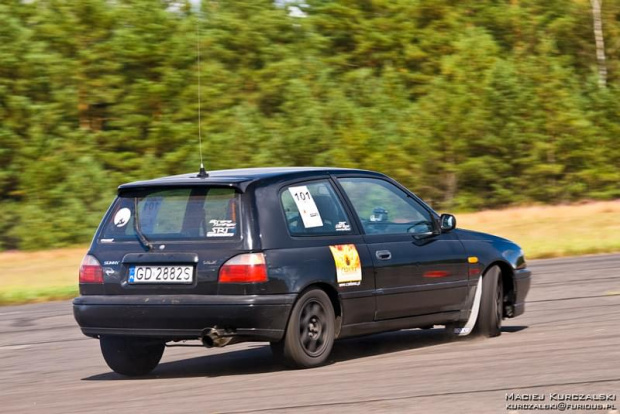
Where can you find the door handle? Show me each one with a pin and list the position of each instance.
(384, 254)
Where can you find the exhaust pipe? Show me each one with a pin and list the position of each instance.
(213, 338)
(207, 341)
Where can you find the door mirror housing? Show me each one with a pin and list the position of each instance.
(447, 222)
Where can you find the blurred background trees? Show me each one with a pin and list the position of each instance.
(472, 104)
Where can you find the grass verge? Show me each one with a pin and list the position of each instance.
(29, 277)
(542, 232)
(553, 231)
(17, 296)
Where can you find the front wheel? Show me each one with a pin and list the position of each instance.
(131, 356)
(309, 336)
(488, 322)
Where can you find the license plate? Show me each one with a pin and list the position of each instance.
(161, 274)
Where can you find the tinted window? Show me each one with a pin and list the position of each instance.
(314, 209)
(383, 208)
(180, 213)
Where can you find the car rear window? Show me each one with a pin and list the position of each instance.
(175, 214)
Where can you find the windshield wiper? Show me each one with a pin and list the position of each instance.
(136, 227)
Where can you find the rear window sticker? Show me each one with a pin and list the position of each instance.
(122, 217)
(306, 206)
(348, 264)
(148, 213)
(342, 226)
(222, 228)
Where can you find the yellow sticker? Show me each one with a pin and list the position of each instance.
(348, 264)
(472, 259)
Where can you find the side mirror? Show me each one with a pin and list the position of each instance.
(447, 222)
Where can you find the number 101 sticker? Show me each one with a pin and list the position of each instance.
(306, 206)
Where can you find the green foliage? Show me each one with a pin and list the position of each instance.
(471, 104)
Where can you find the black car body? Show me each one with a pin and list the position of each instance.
(243, 248)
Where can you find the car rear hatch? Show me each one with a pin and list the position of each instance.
(168, 240)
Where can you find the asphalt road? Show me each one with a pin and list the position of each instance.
(568, 341)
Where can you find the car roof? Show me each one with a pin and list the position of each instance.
(242, 177)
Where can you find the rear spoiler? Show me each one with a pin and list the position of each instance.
(140, 186)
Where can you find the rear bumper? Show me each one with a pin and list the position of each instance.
(522, 280)
(251, 317)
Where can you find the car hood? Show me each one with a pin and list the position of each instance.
(508, 250)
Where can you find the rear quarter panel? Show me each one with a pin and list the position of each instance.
(296, 263)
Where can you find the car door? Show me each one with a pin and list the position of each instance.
(418, 270)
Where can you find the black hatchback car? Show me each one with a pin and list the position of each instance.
(297, 257)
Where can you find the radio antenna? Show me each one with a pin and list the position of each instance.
(202, 173)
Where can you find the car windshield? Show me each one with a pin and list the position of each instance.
(207, 213)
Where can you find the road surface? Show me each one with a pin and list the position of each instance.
(568, 341)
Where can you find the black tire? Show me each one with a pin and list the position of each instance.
(309, 337)
(489, 322)
(131, 356)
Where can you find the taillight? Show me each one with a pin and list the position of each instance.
(245, 268)
(90, 270)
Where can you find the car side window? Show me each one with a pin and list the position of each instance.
(313, 208)
(384, 208)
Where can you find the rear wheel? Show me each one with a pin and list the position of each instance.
(309, 336)
(131, 356)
